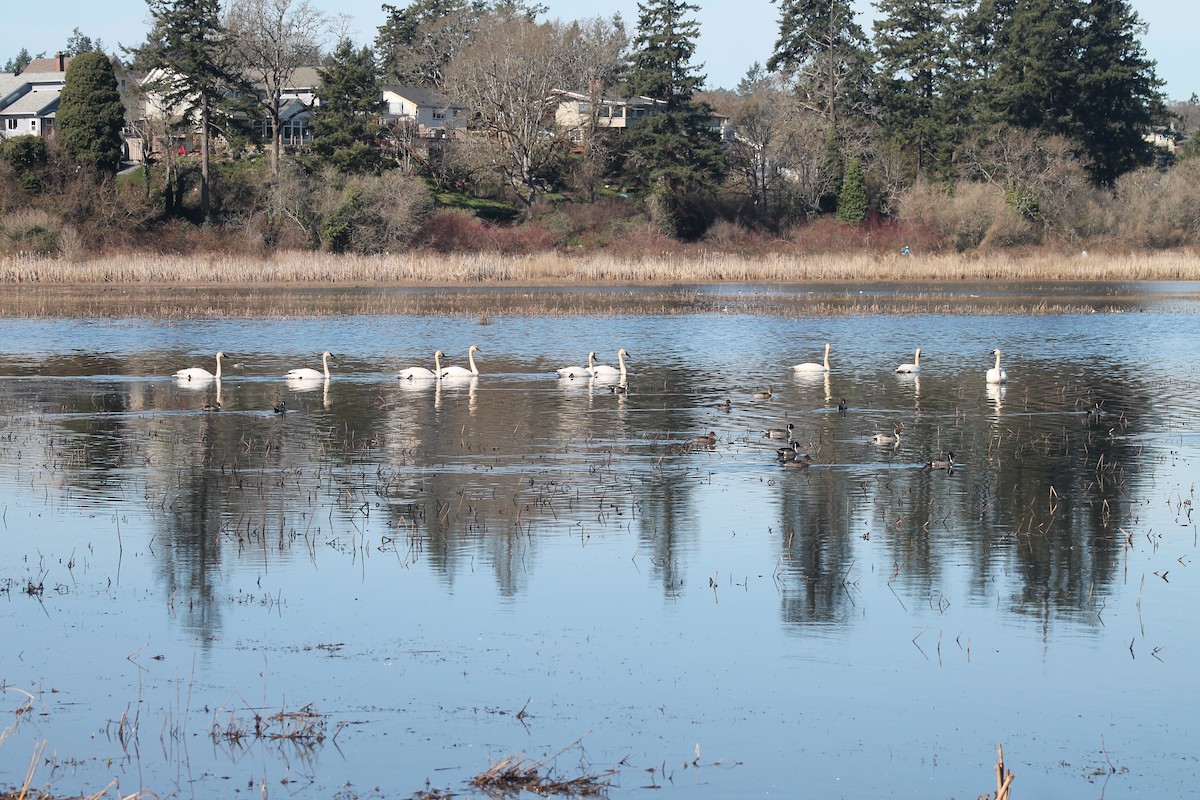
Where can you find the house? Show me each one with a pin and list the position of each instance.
(431, 112)
(576, 113)
(29, 101)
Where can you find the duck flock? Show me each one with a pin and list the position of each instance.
(790, 456)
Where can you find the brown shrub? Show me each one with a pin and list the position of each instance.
(960, 219)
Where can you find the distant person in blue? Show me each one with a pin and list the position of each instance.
(904, 251)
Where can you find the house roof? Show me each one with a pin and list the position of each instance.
(640, 101)
(9, 83)
(300, 78)
(38, 103)
(422, 96)
(47, 65)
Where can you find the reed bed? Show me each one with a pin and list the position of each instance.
(423, 268)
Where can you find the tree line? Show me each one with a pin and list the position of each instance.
(1022, 120)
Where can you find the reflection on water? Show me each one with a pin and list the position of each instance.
(404, 554)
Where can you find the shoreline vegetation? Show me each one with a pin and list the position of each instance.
(485, 285)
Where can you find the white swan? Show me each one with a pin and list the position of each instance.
(609, 371)
(997, 374)
(461, 372)
(811, 367)
(421, 373)
(306, 374)
(913, 368)
(199, 373)
(579, 372)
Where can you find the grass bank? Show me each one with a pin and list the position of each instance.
(431, 269)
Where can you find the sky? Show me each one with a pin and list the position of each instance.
(734, 34)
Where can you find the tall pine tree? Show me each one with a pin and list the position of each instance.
(826, 51)
(346, 122)
(673, 153)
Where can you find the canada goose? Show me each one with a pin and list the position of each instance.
(280, 407)
(913, 368)
(609, 371)
(842, 407)
(779, 433)
(946, 462)
(620, 388)
(416, 373)
(767, 395)
(199, 373)
(887, 438)
(463, 372)
(212, 406)
(799, 462)
(811, 367)
(308, 374)
(997, 374)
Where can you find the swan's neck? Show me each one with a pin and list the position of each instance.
(621, 361)
(218, 375)
(325, 364)
(997, 360)
(917, 358)
(826, 357)
(437, 363)
(591, 362)
(471, 361)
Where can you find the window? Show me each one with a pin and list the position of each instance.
(439, 113)
(12, 124)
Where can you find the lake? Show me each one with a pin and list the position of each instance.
(393, 586)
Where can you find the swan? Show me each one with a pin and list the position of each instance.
(416, 373)
(997, 374)
(608, 370)
(306, 374)
(199, 373)
(579, 372)
(887, 438)
(946, 462)
(462, 372)
(811, 367)
(913, 368)
(780, 433)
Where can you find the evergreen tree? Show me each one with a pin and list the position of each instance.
(193, 50)
(78, 43)
(346, 122)
(18, 63)
(673, 152)
(852, 202)
(416, 42)
(91, 114)
(918, 68)
(1077, 68)
(826, 50)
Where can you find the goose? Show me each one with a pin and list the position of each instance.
(811, 367)
(212, 406)
(281, 407)
(619, 388)
(579, 372)
(997, 374)
(946, 462)
(842, 407)
(462, 372)
(800, 462)
(887, 438)
(913, 368)
(307, 374)
(780, 433)
(199, 373)
(609, 371)
(418, 373)
(764, 395)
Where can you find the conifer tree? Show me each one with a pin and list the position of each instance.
(91, 115)
(852, 202)
(345, 123)
(825, 49)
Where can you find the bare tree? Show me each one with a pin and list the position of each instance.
(273, 39)
(506, 77)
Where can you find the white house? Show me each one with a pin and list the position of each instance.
(432, 112)
(576, 112)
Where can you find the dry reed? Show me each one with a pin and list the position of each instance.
(424, 268)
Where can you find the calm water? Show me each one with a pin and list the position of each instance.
(444, 576)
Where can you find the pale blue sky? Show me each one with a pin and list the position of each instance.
(733, 33)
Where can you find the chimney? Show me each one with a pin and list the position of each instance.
(62, 61)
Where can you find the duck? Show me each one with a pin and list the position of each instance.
(887, 438)
(609, 371)
(619, 388)
(579, 372)
(780, 433)
(308, 374)
(997, 374)
(727, 406)
(708, 440)
(199, 373)
(945, 462)
(419, 373)
(842, 407)
(913, 368)
(462, 372)
(767, 395)
(789, 453)
(812, 367)
(212, 406)
(799, 462)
